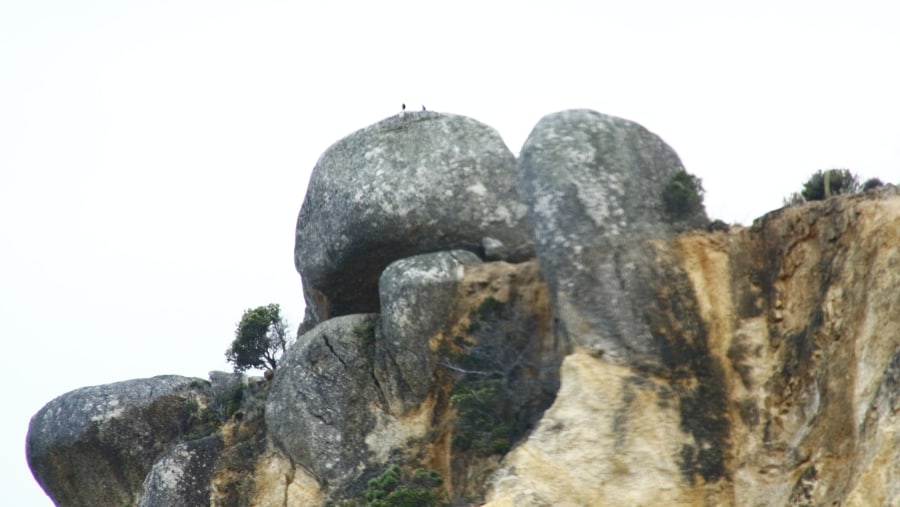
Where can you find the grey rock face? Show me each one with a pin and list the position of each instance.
(95, 445)
(495, 250)
(417, 299)
(407, 185)
(594, 187)
(323, 396)
(181, 477)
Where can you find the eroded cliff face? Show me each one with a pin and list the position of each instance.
(801, 319)
(626, 357)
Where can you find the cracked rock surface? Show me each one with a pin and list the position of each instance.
(325, 399)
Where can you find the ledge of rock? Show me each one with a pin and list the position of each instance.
(95, 445)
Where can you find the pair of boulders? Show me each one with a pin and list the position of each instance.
(583, 195)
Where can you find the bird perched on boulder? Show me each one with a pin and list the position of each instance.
(404, 107)
(423, 107)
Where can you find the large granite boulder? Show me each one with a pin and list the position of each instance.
(326, 409)
(418, 300)
(411, 184)
(594, 187)
(95, 445)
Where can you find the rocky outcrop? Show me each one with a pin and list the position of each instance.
(801, 328)
(361, 391)
(594, 187)
(323, 397)
(408, 288)
(412, 184)
(634, 361)
(96, 445)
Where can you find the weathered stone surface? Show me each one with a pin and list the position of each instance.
(418, 296)
(877, 474)
(594, 186)
(501, 366)
(810, 333)
(223, 383)
(181, 477)
(407, 185)
(611, 438)
(95, 445)
(360, 392)
(325, 402)
(245, 439)
(802, 317)
(279, 483)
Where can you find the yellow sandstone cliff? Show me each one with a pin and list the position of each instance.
(803, 314)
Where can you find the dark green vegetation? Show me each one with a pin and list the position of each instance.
(683, 196)
(497, 395)
(260, 339)
(871, 183)
(824, 184)
(207, 420)
(402, 487)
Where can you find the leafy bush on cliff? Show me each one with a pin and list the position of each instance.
(496, 395)
(402, 487)
(824, 184)
(260, 339)
(872, 183)
(205, 421)
(683, 195)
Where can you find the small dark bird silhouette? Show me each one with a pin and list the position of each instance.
(404, 107)
(423, 107)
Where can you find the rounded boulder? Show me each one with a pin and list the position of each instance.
(411, 184)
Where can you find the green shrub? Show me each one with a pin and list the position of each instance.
(202, 430)
(872, 183)
(824, 184)
(496, 393)
(233, 402)
(401, 487)
(480, 426)
(204, 421)
(683, 195)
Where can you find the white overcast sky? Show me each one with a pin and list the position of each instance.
(154, 155)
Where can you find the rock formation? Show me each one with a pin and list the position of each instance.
(419, 183)
(525, 333)
(96, 445)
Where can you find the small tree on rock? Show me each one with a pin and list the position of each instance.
(260, 339)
